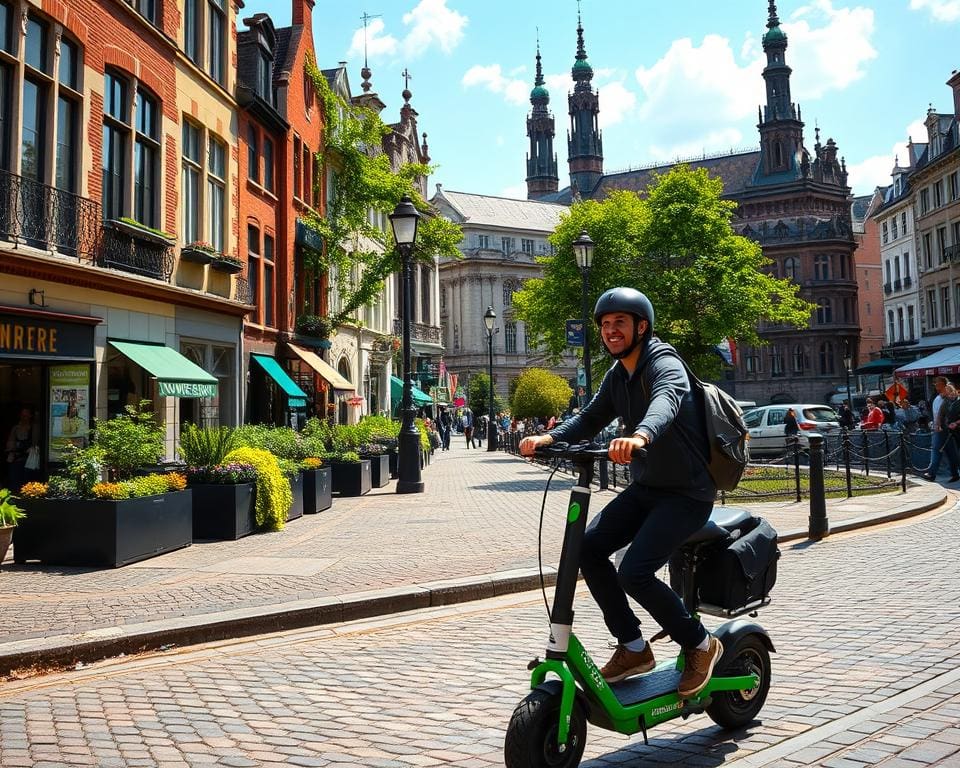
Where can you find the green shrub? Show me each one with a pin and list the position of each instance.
(10, 513)
(133, 439)
(424, 435)
(150, 485)
(274, 497)
(206, 447)
(84, 466)
(282, 442)
(540, 393)
(379, 429)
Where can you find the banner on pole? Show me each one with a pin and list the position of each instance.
(575, 332)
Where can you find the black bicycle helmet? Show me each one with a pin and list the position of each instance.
(629, 301)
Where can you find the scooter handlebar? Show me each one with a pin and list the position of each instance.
(579, 451)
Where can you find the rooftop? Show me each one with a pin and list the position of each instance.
(502, 212)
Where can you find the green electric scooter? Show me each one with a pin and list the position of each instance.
(549, 726)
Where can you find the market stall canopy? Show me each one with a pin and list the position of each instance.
(327, 371)
(176, 375)
(296, 397)
(942, 363)
(876, 367)
(420, 398)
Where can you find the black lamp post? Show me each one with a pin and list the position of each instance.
(404, 221)
(583, 250)
(847, 361)
(489, 318)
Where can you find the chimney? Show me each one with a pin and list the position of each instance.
(302, 13)
(954, 82)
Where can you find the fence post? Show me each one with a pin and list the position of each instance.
(604, 474)
(904, 457)
(886, 450)
(796, 466)
(846, 461)
(866, 455)
(818, 523)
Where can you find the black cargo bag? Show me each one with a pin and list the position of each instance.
(739, 573)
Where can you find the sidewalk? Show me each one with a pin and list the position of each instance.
(472, 534)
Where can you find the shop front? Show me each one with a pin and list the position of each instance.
(46, 389)
(332, 388)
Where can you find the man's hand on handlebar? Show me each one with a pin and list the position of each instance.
(621, 448)
(530, 444)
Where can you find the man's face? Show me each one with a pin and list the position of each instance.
(940, 387)
(619, 329)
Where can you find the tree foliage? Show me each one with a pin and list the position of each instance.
(478, 396)
(540, 393)
(677, 246)
(363, 180)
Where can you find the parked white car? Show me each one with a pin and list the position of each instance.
(765, 425)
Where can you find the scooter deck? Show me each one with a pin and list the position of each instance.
(634, 690)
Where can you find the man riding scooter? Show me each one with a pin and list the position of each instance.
(670, 498)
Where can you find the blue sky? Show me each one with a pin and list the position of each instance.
(676, 79)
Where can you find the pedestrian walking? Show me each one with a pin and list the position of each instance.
(468, 426)
(790, 426)
(444, 425)
(942, 437)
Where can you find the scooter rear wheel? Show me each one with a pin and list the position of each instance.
(531, 740)
(735, 709)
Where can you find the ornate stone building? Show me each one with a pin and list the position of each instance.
(793, 201)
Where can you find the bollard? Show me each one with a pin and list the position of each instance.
(866, 455)
(796, 466)
(819, 526)
(846, 461)
(604, 474)
(904, 457)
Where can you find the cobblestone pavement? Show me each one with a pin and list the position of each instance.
(478, 516)
(866, 673)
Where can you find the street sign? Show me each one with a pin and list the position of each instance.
(574, 333)
(581, 377)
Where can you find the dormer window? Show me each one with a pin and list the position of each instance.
(264, 84)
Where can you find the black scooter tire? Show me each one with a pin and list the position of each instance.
(735, 709)
(531, 740)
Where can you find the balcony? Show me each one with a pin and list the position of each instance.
(897, 285)
(429, 334)
(952, 252)
(888, 288)
(907, 282)
(48, 218)
(130, 248)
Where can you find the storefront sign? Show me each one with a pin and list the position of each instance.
(186, 389)
(31, 336)
(69, 408)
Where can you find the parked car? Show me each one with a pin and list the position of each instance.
(765, 425)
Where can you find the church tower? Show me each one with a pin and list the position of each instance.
(542, 177)
(584, 140)
(781, 130)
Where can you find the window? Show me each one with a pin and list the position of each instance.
(317, 169)
(146, 8)
(798, 359)
(33, 137)
(264, 84)
(955, 185)
(903, 222)
(893, 228)
(924, 200)
(507, 294)
(827, 363)
(932, 308)
(886, 235)
(927, 250)
(506, 244)
(938, 193)
(253, 269)
(890, 335)
(190, 182)
(116, 133)
(267, 164)
(941, 244)
(886, 270)
(956, 237)
(146, 159)
(824, 312)
(253, 154)
(216, 191)
(896, 269)
(192, 24)
(899, 323)
(752, 359)
(945, 306)
(296, 166)
(910, 322)
(426, 292)
(305, 167)
(906, 265)
(791, 268)
(821, 266)
(217, 24)
(526, 245)
(268, 287)
(510, 337)
(483, 241)
(776, 361)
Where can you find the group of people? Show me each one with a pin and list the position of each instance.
(944, 424)
(880, 413)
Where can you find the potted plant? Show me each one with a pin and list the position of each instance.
(199, 252)
(380, 446)
(289, 449)
(317, 485)
(10, 515)
(351, 474)
(318, 327)
(131, 441)
(274, 496)
(223, 263)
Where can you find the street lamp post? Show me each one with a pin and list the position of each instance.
(583, 250)
(489, 318)
(847, 363)
(404, 221)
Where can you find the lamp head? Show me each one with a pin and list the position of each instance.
(583, 250)
(489, 318)
(404, 221)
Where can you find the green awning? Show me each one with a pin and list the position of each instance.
(175, 374)
(876, 366)
(296, 397)
(420, 398)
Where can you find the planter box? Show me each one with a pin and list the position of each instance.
(102, 532)
(229, 266)
(352, 479)
(223, 511)
(296, 487)
(317, 490)
(197, 255)
(379, 469)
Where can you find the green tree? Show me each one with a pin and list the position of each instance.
(540, 393)
(478, 396)
(677, 246)
(358, 255)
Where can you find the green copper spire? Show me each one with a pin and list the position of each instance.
(539, 94)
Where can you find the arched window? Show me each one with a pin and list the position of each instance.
(778, 154)
(791, 268)
(824, 311)
(827, 364)
(776, 361)
(798, 359)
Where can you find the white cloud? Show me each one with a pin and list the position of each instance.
(431, 23)
(940, 10)
(492, 78)
(874, 171)
(616, 103)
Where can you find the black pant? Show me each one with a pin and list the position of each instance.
(654, 523)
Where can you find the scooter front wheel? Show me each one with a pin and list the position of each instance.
(531, 740)
(735, 709)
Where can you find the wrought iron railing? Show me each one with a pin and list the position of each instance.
(49, 218)
(418, 331)
(951, 252)
(140, 252)
(897, 285)
(242, 290)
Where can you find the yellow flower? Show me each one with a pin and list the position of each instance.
(176, 481)
(33, 490)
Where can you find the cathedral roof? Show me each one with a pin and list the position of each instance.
(502, 212)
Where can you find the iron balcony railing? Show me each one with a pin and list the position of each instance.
(887, 288)
(897, 285)
(951, 252)
(132, 249)
(242, 290)
(418, 331)
(48, 218)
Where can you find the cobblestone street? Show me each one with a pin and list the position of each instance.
(866, 673)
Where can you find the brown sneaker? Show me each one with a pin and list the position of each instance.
(697, 668)
(625, 663)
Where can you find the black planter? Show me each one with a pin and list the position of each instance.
(296, 487)
(317, 490)
(223, 511)
(352, 479)
(394, 463)
(103, 532)
(379, 468)
(196, 255)
(230, 266)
